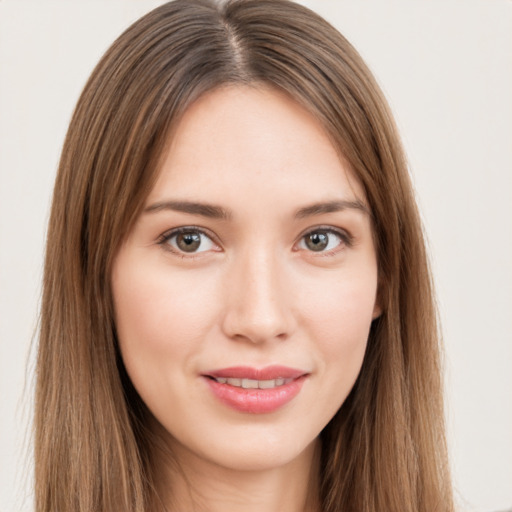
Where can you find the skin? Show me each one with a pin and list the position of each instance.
(253, 293)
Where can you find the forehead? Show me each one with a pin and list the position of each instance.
(239, 141)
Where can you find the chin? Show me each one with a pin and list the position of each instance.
(262, 451)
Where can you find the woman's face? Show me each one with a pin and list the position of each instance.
(245, 292)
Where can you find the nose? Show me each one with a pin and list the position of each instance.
(259, 304)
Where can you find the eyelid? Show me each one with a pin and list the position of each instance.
(164, 238)
(345, 237)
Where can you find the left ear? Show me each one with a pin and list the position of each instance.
(377, 306)
(379, 300)
(377, 311)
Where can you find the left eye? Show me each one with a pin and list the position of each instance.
(321, 240)
(189, 241)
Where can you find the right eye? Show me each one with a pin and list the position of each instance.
(188, 241)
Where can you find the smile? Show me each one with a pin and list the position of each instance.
(256, 391)
(252, 383)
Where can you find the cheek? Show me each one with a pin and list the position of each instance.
(342, 308)
(339, 317)
(161, 318)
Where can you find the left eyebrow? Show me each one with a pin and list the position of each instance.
(330, 207)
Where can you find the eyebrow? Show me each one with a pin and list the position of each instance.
(218, 212)
(204, 209)
(330, 207)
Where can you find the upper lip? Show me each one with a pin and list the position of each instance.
(267, 373)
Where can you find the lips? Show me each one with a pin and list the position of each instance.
(253, 383)
(253, 390)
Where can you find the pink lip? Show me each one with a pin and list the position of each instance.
(256, 401)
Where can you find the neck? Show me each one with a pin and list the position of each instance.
(189, 483)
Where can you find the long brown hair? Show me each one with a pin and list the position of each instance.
(385, 448)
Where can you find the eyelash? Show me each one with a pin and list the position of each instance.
(165, 238)
(346, 240)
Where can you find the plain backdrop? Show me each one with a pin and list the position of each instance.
(446, 68)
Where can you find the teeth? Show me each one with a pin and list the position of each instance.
(252, 383)
(268, 384)
(249, 384)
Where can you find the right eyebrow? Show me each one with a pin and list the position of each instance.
(203, 209)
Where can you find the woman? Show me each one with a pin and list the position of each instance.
(237, 307)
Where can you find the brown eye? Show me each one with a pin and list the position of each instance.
(188, 240)
(322, 240)
(317, 241)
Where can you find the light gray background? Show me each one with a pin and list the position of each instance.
(446, 68)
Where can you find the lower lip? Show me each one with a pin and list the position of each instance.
(256, 401)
